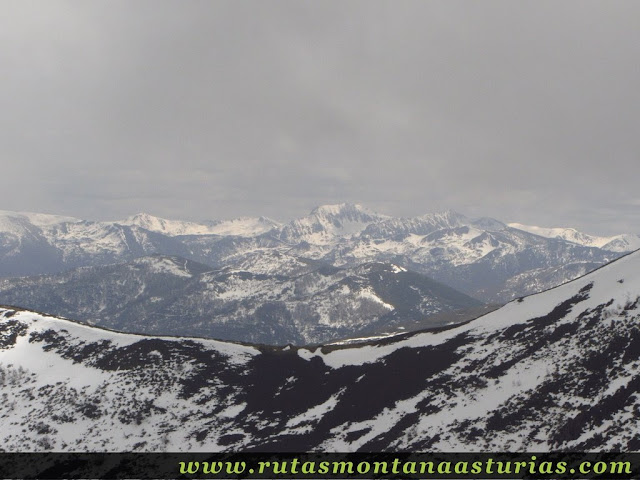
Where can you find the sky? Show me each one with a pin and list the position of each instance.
(524, 111)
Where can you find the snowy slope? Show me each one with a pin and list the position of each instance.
(553, 371)
(622, 243)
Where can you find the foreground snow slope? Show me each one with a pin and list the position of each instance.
(556, 370)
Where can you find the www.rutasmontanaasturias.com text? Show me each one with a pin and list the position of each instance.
(401, 467)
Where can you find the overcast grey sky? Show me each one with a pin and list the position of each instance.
(525, 111)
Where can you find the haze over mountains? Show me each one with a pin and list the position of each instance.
(340, 271)
(552, 371)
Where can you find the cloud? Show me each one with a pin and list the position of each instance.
(522, 111)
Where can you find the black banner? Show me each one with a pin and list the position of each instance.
(319, 465)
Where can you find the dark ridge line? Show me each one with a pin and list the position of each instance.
(142, 335)
(325, 347)
(261, 347)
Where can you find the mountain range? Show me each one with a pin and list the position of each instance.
(554, 371)
(448, 246)
(341, 271)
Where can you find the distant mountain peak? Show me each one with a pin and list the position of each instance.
(448, 216)
(327, 222)
(616, 243)
(162, 225)
(345, 209)
(37, 219)
(242, 226)
(143, 217)
(145, 220)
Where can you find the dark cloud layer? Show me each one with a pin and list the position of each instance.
(526, 111)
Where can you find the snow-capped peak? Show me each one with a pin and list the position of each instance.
(616, 243)
(164, 226)
(345, 210)
(564, 233)
(143, 219)
(37, 219)
(244, 226)
(327, 222)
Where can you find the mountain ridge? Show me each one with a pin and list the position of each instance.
(620, 243)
